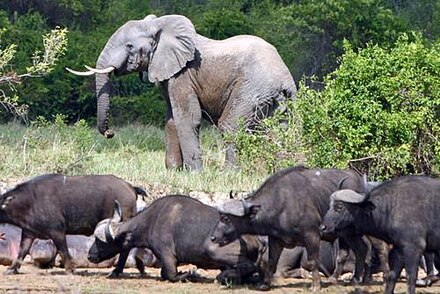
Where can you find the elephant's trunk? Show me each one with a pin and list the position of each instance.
(103, 95)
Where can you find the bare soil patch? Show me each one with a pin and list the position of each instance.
(34, 280)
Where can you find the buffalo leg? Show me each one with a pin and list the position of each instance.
(239, 266)
(312, 242)
(61, 244)
(25, 245)
(360, 249)
(122, 259)
(382, 249)
(275, 249)
(140, 265)
(396, 265)
(431, 277)
(412, 260)
(341, 258)
(169, 269)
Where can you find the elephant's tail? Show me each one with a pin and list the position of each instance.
(289, 90)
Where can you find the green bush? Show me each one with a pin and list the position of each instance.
(274, 144)
(148, 108)
(379, 111)
(65, 147)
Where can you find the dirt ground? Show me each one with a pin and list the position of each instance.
(33, 280)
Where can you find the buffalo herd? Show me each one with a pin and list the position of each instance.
(325, 222)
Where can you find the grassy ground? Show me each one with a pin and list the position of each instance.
(136, 154)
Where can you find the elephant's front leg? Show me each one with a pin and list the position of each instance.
(187, 116)
(173, 154)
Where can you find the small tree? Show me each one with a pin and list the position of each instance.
(55, 45)
(379, 111)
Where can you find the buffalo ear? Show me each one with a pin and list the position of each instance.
(126, 239)
(117, 214)
(368, 206)
(175, 45)
(253, 210)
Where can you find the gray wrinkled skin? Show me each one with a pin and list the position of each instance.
(242, 77)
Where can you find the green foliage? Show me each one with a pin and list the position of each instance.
(379, 111)
(309, 34)
(275, 144)
(146, 109)
(55, 147)
(55, 44)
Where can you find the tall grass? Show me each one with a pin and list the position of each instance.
(136, 154)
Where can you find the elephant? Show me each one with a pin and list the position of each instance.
(239, 79)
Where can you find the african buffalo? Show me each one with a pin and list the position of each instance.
(177, 230)
(288, 208)
(403, 212)
(293, 260)
(53, 205)
(9, 243)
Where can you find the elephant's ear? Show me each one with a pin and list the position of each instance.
(175, 46)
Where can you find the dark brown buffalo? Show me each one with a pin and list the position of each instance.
(53, 205)
(177, 230)
(288, 208)
(403, 212)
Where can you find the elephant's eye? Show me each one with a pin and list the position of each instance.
(129, 46)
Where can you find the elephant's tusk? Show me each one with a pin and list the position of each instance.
(101, 71)
(80, 73)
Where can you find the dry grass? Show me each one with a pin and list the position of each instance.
(94, 281)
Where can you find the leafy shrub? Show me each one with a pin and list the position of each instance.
(148, 108)
(379, 111)
(274, 144)
(53, 146)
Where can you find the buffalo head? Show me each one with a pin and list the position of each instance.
(237, 217)
(108, 242)
(345, 206)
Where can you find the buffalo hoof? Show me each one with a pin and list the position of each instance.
(423, 283)
(355, 281)
(315, 288)
(11, 271)
(333, 280)
(182, 276)
(113, 275)
(263, 287)
(428, 281)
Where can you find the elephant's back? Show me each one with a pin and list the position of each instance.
(234, 45)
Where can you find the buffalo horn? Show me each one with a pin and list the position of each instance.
(347, 195)
(109, 235)
(233, 207)
(341, 182)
